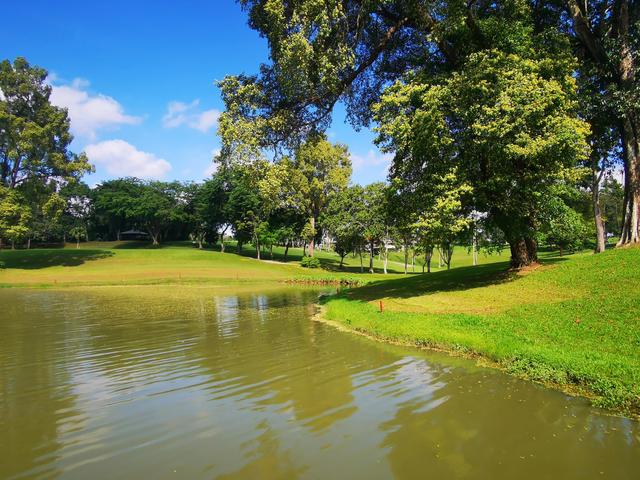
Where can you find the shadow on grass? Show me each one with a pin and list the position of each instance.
(461, 278)
(43, 258)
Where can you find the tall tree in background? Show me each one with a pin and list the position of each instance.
(34, 145)
(34, 134)
(323, 170)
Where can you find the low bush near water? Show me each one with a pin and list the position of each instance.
(310, 262)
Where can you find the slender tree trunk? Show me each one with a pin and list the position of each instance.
(77, 242)
(386, 257)
(474, 246)
(29, 243)
(258, 249)
(631, 205)
(1, 245)
(361, 264)
(597, 215)
(13, 244)
(406, 259)
(312, 242)
(286, 250)
(271, 252)
(154, 237)
(239, 247)
(342, 260)
(371, 255)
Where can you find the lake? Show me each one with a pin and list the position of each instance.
(201, 382)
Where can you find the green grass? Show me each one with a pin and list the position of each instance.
(109, 263)
(573, 322)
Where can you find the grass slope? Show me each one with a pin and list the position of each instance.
(573, 322)
(110, 263)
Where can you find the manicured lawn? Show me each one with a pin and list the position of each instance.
(573, 322)
(107, 263)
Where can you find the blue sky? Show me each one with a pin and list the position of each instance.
(138, 79)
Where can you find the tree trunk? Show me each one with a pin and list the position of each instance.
(258, 249)
(312, 242)
(1, 243)
(474, 246)
(239, 247)
(532, 249)
(286, 251)
(386, 257)
(597, 215)
(342, 260)
(519, 253)
(371, 255)
(406, 260)
(13, 244)
(118, 235)
(361, 264)
(631, 206)
(29, 243)
(78, 242)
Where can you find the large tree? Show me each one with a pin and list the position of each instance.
(351, 51)
(321, 170)
(34, 134)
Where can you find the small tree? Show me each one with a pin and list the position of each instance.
(78, 232)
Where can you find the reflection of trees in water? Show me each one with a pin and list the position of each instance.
(494, 427)
(265, 459)
(35, 395)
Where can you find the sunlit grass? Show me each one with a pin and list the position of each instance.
(573, 322)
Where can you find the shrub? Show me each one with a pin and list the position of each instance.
(310, 262)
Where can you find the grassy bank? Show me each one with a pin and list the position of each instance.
(111, 263)
(573, 322)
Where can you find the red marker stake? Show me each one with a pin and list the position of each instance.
(381, 307)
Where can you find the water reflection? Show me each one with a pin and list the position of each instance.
(199, 383)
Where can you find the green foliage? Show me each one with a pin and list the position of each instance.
(310, 262)
(15, 215)
(506, 122)
(34, 134)
(562, 226)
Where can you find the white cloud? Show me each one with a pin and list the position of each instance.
(122, 159)
(180, 113)
(371, 160)
(88, 112)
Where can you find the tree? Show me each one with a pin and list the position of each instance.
(34, 134)
(508, 125)
(112, 203)
(341, 219)
(563, 227)
(444, 219)
(324, 169)
(612, 198)
(351, 51)
(15, 216)
(605, 36)
(371, 216)
(156, 206)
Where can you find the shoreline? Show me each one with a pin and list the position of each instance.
(481, 360)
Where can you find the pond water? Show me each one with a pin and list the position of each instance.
(188, 382)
